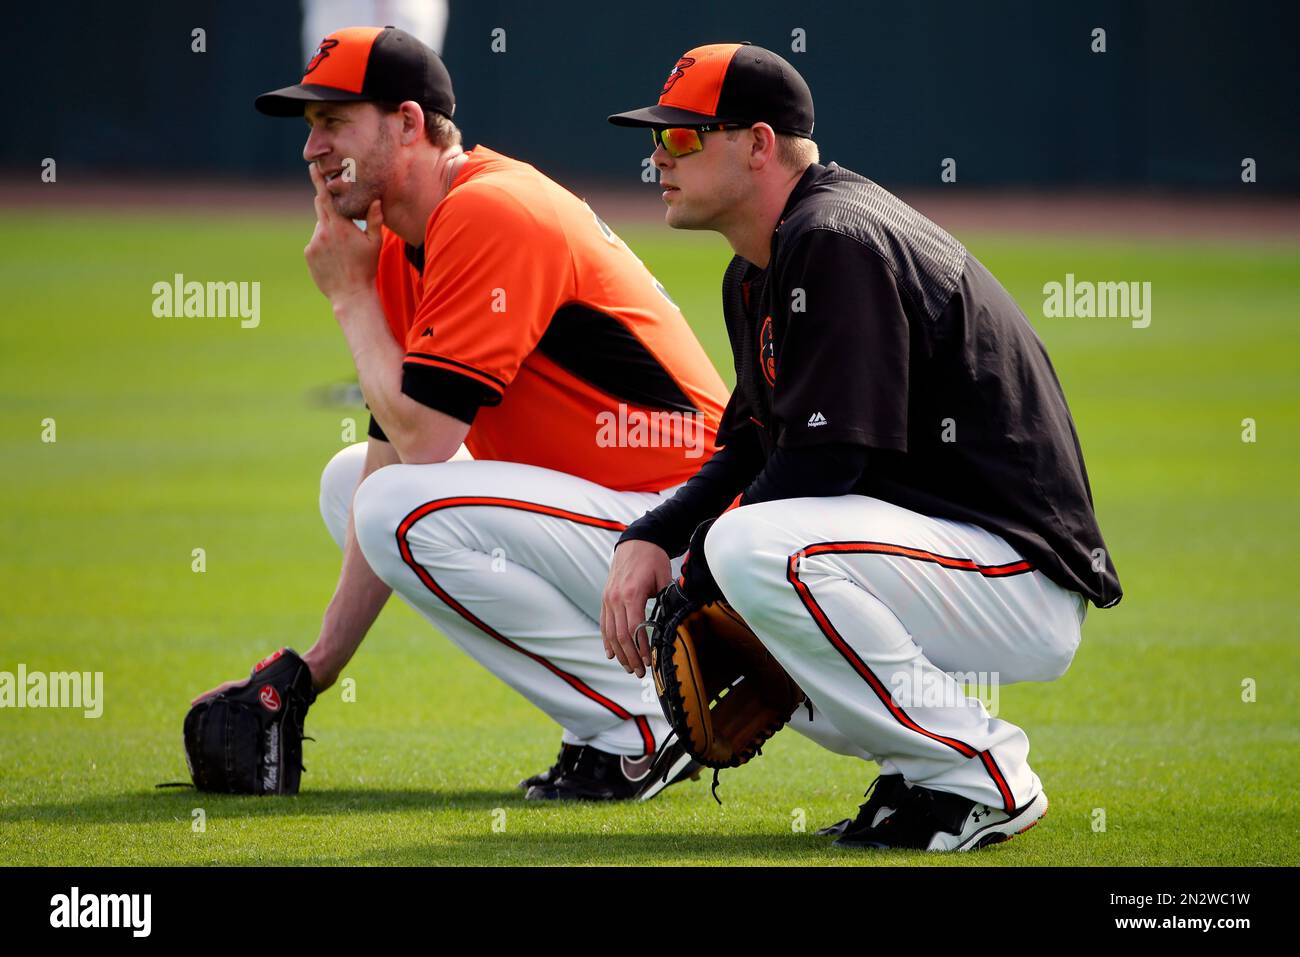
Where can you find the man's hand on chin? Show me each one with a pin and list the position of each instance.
(342, 259)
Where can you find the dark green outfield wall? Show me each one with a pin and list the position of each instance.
(1010, 90)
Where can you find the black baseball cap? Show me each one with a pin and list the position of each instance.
(367, 63)
(729, 83)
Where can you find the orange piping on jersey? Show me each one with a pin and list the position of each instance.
(421, 358)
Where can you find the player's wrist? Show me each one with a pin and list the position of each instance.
(644, 534)
(324, 672)
(350, 301)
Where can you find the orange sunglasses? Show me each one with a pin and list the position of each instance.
(684, 140)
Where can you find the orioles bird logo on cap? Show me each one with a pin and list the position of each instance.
(321, 53)
(677, 73)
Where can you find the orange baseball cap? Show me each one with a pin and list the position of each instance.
(729, 83)
(367, 63)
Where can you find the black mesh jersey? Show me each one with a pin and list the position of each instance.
(873, 326)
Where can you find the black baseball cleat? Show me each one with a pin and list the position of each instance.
(563, 761)
(929, 820)
(596, 775)
(884, 796)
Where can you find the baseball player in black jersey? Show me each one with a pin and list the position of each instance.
(913, 504)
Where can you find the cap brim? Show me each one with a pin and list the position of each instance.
(292, 100)
(667, 116)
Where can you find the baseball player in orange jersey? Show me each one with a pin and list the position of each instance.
(486, 305)
(913, 500)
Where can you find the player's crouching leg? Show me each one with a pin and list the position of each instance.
(748, 551)
(413, 521)
(379, 506)
(337, 483)
(1058, 616)
(747, 555)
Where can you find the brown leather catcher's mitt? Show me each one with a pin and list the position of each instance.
(720, 689)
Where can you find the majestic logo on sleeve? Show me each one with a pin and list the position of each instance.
(677, 72)
(321, 53)
(767, 352)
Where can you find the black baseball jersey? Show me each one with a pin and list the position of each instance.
(872, 326)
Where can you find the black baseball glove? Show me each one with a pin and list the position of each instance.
(248, 739)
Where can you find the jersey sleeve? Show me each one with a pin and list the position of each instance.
(495, 272)
(842, 370)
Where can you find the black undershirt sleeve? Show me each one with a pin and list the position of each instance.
(705, 496)
(808, 471)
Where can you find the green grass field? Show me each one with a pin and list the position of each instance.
(176, 434)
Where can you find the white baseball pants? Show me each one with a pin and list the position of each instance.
(509, 561)
(871, 608)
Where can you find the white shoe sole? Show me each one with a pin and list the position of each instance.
(995, 832)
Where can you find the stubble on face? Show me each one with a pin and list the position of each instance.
(373, 171)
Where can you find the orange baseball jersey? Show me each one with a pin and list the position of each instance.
(524, 315)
